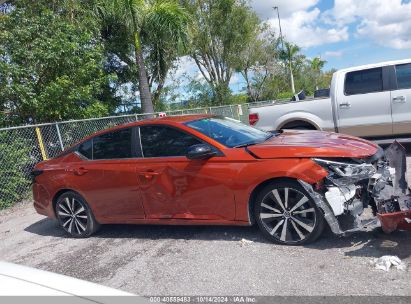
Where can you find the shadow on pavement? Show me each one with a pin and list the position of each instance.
(360, 244)
(368, 244)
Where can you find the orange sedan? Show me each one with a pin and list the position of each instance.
(210, 170)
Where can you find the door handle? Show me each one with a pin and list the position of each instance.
(345, 105)
(80, 171)
(399, 99)
(149, 174)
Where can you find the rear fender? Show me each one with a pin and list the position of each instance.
(298, 116)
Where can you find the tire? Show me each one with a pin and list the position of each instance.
(75, 216)
(286, 214)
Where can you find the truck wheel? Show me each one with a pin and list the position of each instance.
(75, 216)
(286, 214)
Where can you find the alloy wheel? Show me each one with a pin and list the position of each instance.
(72, 215)
(287, 215)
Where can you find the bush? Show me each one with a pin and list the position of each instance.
(284, 95)
(15, 165)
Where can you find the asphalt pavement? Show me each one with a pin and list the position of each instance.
(206, 260)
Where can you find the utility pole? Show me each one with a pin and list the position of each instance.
(279, 25)
(282, 45)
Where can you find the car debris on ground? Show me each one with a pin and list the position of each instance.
(385, 262)
(244, 242)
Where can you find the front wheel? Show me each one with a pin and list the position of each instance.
(286, 214)
(75, 216)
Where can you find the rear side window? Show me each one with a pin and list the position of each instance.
(86, 149)
(403, 73)
(113, 145)
(362, 82)
(163, 141)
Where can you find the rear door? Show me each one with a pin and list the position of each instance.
(401, 100)
(107, 177)
(364, 106)
(174, 187)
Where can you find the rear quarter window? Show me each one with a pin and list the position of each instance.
(86, 149)
(113, 145)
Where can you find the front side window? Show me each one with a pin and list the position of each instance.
(362, 82)
(403, 73)
(163, 141)
(229, 132)
(113, 145)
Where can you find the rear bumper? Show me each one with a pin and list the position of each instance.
(42, 201)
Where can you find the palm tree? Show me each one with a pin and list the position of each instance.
(289, 55)
(316, 65)
(147, 21)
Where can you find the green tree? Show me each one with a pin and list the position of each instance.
(258, 62)
(51, 68)
(317, 64)
(154, 29)
(221, 31)
(290, 57)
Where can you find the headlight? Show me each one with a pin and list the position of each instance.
(345, 172)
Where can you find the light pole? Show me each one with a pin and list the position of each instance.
(279, 25)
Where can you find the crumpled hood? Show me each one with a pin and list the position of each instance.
(298, 143)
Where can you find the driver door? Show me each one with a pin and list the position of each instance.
(174, 187)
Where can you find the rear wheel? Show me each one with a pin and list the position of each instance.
(286, 214)
(75, 216)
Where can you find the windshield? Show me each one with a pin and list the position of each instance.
(229, 132)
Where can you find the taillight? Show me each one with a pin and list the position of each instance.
(253, 118)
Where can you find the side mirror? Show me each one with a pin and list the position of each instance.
(200, 152)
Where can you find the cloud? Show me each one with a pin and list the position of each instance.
(305, 29)
(265, 9)
(386, 22)
(330, 54)
(301, 22)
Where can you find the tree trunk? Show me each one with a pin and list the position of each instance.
(157, 93)
(292, 78)
(143, 85)
(249, 89)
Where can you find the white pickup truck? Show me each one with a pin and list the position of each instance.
(368, 101)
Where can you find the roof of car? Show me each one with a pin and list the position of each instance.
(176, 119)
(173, 119)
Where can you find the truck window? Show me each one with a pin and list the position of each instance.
(403, 72)
(364, 81)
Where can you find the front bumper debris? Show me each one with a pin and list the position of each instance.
(397, 220)
(381, 199)
(394, 200)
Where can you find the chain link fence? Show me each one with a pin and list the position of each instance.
(23, 147)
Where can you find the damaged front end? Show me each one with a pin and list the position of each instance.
(362, 194)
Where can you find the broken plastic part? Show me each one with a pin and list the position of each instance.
(397, 220)
(396, 157)
(394, 202)
(337, 196)
(324, 206)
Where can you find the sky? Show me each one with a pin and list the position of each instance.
(343, 32)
